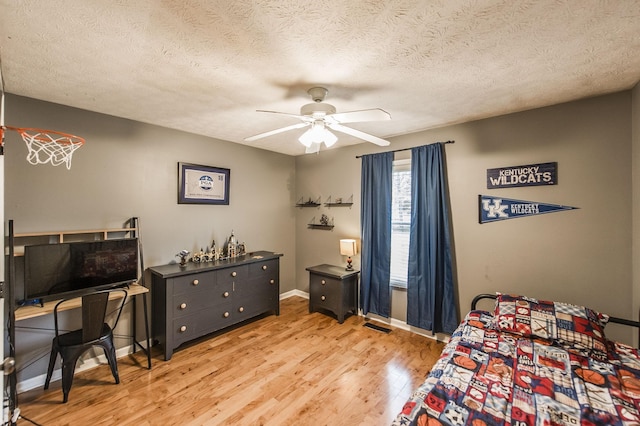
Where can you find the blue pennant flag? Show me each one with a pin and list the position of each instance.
(500, 208)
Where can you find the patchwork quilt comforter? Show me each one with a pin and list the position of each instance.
(497, 370)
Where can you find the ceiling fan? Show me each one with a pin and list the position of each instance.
(320, 117)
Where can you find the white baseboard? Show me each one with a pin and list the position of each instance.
(292, 293)
(404, 326)
(387, 321)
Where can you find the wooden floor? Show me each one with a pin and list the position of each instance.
(293, 369)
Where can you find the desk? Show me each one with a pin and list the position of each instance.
(33, 311)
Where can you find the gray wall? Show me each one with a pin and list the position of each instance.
(580, 256)
(129, 169)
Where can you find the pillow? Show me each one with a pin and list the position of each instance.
(565, 323)
(621, 354)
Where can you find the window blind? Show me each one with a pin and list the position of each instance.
(400, 222)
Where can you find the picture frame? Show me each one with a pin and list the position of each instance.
(198, 184)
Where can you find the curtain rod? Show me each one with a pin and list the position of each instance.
(407, 149)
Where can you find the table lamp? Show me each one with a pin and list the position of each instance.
(348, 248)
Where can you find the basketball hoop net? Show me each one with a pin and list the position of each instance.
(48, 146)
(45, 146)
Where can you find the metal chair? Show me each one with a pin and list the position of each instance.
(94, 332)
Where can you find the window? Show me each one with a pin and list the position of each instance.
(400, 222)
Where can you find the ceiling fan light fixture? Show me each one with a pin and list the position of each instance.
(318, 134)
(321, 117)
(329, 138)
(305, 138)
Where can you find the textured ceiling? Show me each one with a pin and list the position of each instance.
(206, 66)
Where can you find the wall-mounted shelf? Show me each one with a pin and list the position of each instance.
(318, 226)
(338, 202)
(309, 203)
(324, 223)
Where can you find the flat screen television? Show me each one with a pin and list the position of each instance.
(55, 271)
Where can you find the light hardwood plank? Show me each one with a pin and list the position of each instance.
(293, 369)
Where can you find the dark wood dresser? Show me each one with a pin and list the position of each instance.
(201, 298)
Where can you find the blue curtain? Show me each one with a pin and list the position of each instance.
(431, 302)
(375, 222)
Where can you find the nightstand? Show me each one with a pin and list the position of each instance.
(334, 289)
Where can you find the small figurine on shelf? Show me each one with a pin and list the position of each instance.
(206, 256)
(197, 257)
(324, 220)
(214, 251)
(232, 246)
(184, 256)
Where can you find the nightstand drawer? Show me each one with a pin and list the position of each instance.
(325, 292)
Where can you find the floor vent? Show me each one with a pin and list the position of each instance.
(377, 327)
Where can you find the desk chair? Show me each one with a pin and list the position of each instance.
(94, 332)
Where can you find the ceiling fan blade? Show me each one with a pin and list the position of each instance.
(275, 132)
(375, 114)
(298, 116)
(358, 134)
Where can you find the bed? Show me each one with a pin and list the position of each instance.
(530, 362)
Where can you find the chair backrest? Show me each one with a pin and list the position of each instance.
(94, 312)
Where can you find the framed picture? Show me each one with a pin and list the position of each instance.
(202, 184)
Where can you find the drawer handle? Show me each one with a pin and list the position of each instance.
(323, 298)
(234, 273)
(183, 328)
(226, 315)
(240, 309)
(196, 282)
(225, 294)
(264, 267)
(183, 306)
(272, 281)
(323, 282)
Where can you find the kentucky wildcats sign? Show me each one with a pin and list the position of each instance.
(500, 208)
(528, 175)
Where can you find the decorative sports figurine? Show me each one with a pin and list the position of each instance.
(184, 256)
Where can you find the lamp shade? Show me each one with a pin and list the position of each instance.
(348, 247)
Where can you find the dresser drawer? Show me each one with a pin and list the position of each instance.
(211, 297)
(200, 323)
(185, 329)
(267, 270)
(232, 274)
(194, 282)
(255, 297)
